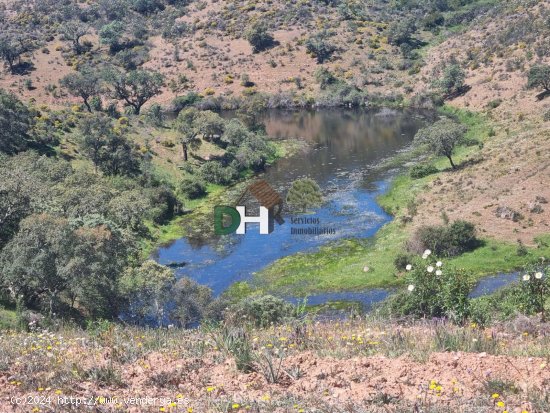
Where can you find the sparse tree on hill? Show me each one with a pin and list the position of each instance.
(320, 46)
(259, 37)
(85, 84)
(539, 77)
(452, 81)
(73, 31)
(135, 87)
(442, 137)
(112, 35)
(401, 31)
(12, 46)
(188, 130)
(325, 78)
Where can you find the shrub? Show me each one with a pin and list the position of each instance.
(493, 104)
(181, 102)
(155, 115)
(258, 37)
(453, 78)
(320, 47)
(303, 194)
(402, 260)
(245, 80)
(191, 302)
(448, 241)
(539, 77)
(401, 31)
(216, 173)
(434, 291)
(192, 188)
(422, 170)
(209, 91)
(528, 297)
(433, 20)
(263, 311)
(535, 289)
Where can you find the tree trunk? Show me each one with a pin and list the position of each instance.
(87, 105)
(184, 146)
(451, 161)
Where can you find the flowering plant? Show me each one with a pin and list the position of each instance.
(535, 282)
(434, 290)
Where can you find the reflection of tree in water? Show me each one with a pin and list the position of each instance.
(342, 140)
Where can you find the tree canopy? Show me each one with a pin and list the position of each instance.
(84, 84)
(442, 137)
(259, 37)
(539, 77)
(136, 87)
(108, 149)
(15, 122)
(320, 46)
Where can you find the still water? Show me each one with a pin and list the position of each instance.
(343, 152)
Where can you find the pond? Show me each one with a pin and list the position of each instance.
(344, 149)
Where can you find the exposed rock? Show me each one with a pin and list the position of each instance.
(505, 212)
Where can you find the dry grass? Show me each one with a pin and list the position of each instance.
(337, 366)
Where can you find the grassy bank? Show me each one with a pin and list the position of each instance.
(340, 265)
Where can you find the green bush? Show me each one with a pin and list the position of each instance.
(181, 102)
(402, 260)
(303, 194)
(529, 297)
(192, 188)
(535, 289)
(263, 311)
(155, 115)
(422, 170)
(320, 46)
(258, 37)
(214, 172)
(448, 240)
(434, 291)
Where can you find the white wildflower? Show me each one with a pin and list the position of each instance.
(430, 269)
(409, 267)
(538, 275)
(438, 272)
(427, 252)
(439, 264)
(526, 277)
(410, 288)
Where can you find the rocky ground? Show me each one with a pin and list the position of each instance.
(348, 366)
